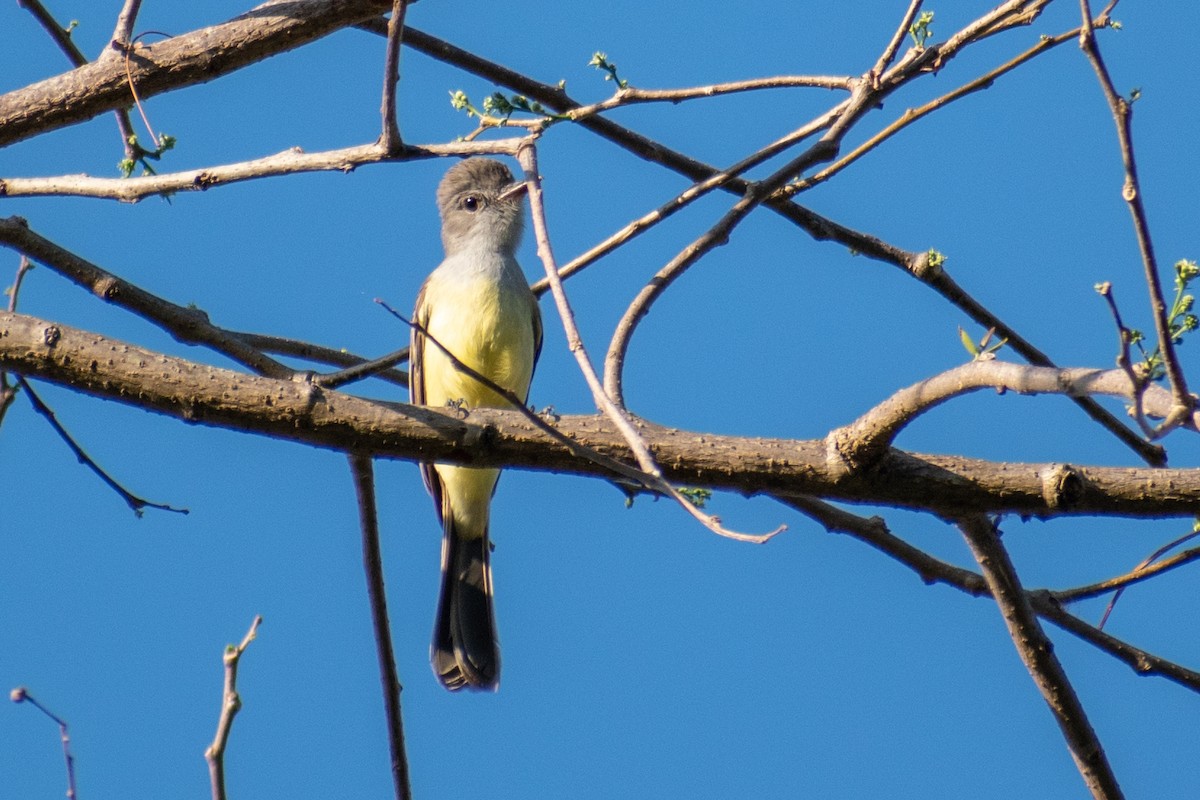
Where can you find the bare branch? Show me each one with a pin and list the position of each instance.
(301, 412)
(859, 444)
(190, 326)
(820, 228)
(294, 160)
(1122, 113)
(606, 404)
(22, 695)
(180, 61)
(135, 503)
(874, 532)
(231, 704)
(390, 139)
(1037, 653)
(889, 52)
(692, 193)
(122, 37)
(363, 471)
(911, 115)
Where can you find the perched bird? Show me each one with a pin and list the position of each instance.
(477, 305)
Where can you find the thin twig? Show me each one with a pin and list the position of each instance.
(1139, 380)
(1037, 653)
(889, 52)
(362, 469)
(22, 695)
(912, 115)
(137, 504)
(8, 391)
(187, 325)
(1145, 567)
(367, 369)
(821, 228)
(1122, 112)
(288, 162)
(231, 704)
(351, 364)
(62, 38)
(122, 36)
(633, 95)
(1146, 570)
(514, 400)
(527, 157)
(390, 139)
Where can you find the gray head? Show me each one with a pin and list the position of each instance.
(480, 204)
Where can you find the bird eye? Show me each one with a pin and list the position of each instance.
(470, 202)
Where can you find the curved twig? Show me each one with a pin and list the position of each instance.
(607, 406)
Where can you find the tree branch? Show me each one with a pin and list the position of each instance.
(363, 470)
(874, 532)
(606, 404)
(390, 139)
(300, 411)
(288, 162)
(1037, 653)
(860, 443)
(196, 57)
(1122, 113)
(817, 226)
(231, 704)
(189, 326)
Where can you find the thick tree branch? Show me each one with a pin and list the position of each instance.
(299, 411)
(196, 57)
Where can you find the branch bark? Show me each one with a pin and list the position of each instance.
(196, 57)
(1037, 653)
(299, 411)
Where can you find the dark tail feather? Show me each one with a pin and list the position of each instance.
(465, 653)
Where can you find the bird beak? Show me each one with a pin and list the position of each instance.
(515, 190)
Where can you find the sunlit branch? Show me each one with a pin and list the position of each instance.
(1122, 113)
(1037, 653)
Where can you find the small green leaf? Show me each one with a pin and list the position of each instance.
(695, 495)
(968, 342)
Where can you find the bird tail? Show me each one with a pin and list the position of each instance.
(465, 652)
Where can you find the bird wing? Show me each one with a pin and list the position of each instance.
(416, 389)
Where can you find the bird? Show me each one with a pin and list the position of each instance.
(478, 306)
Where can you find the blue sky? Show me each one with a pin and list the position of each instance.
(643, 656)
